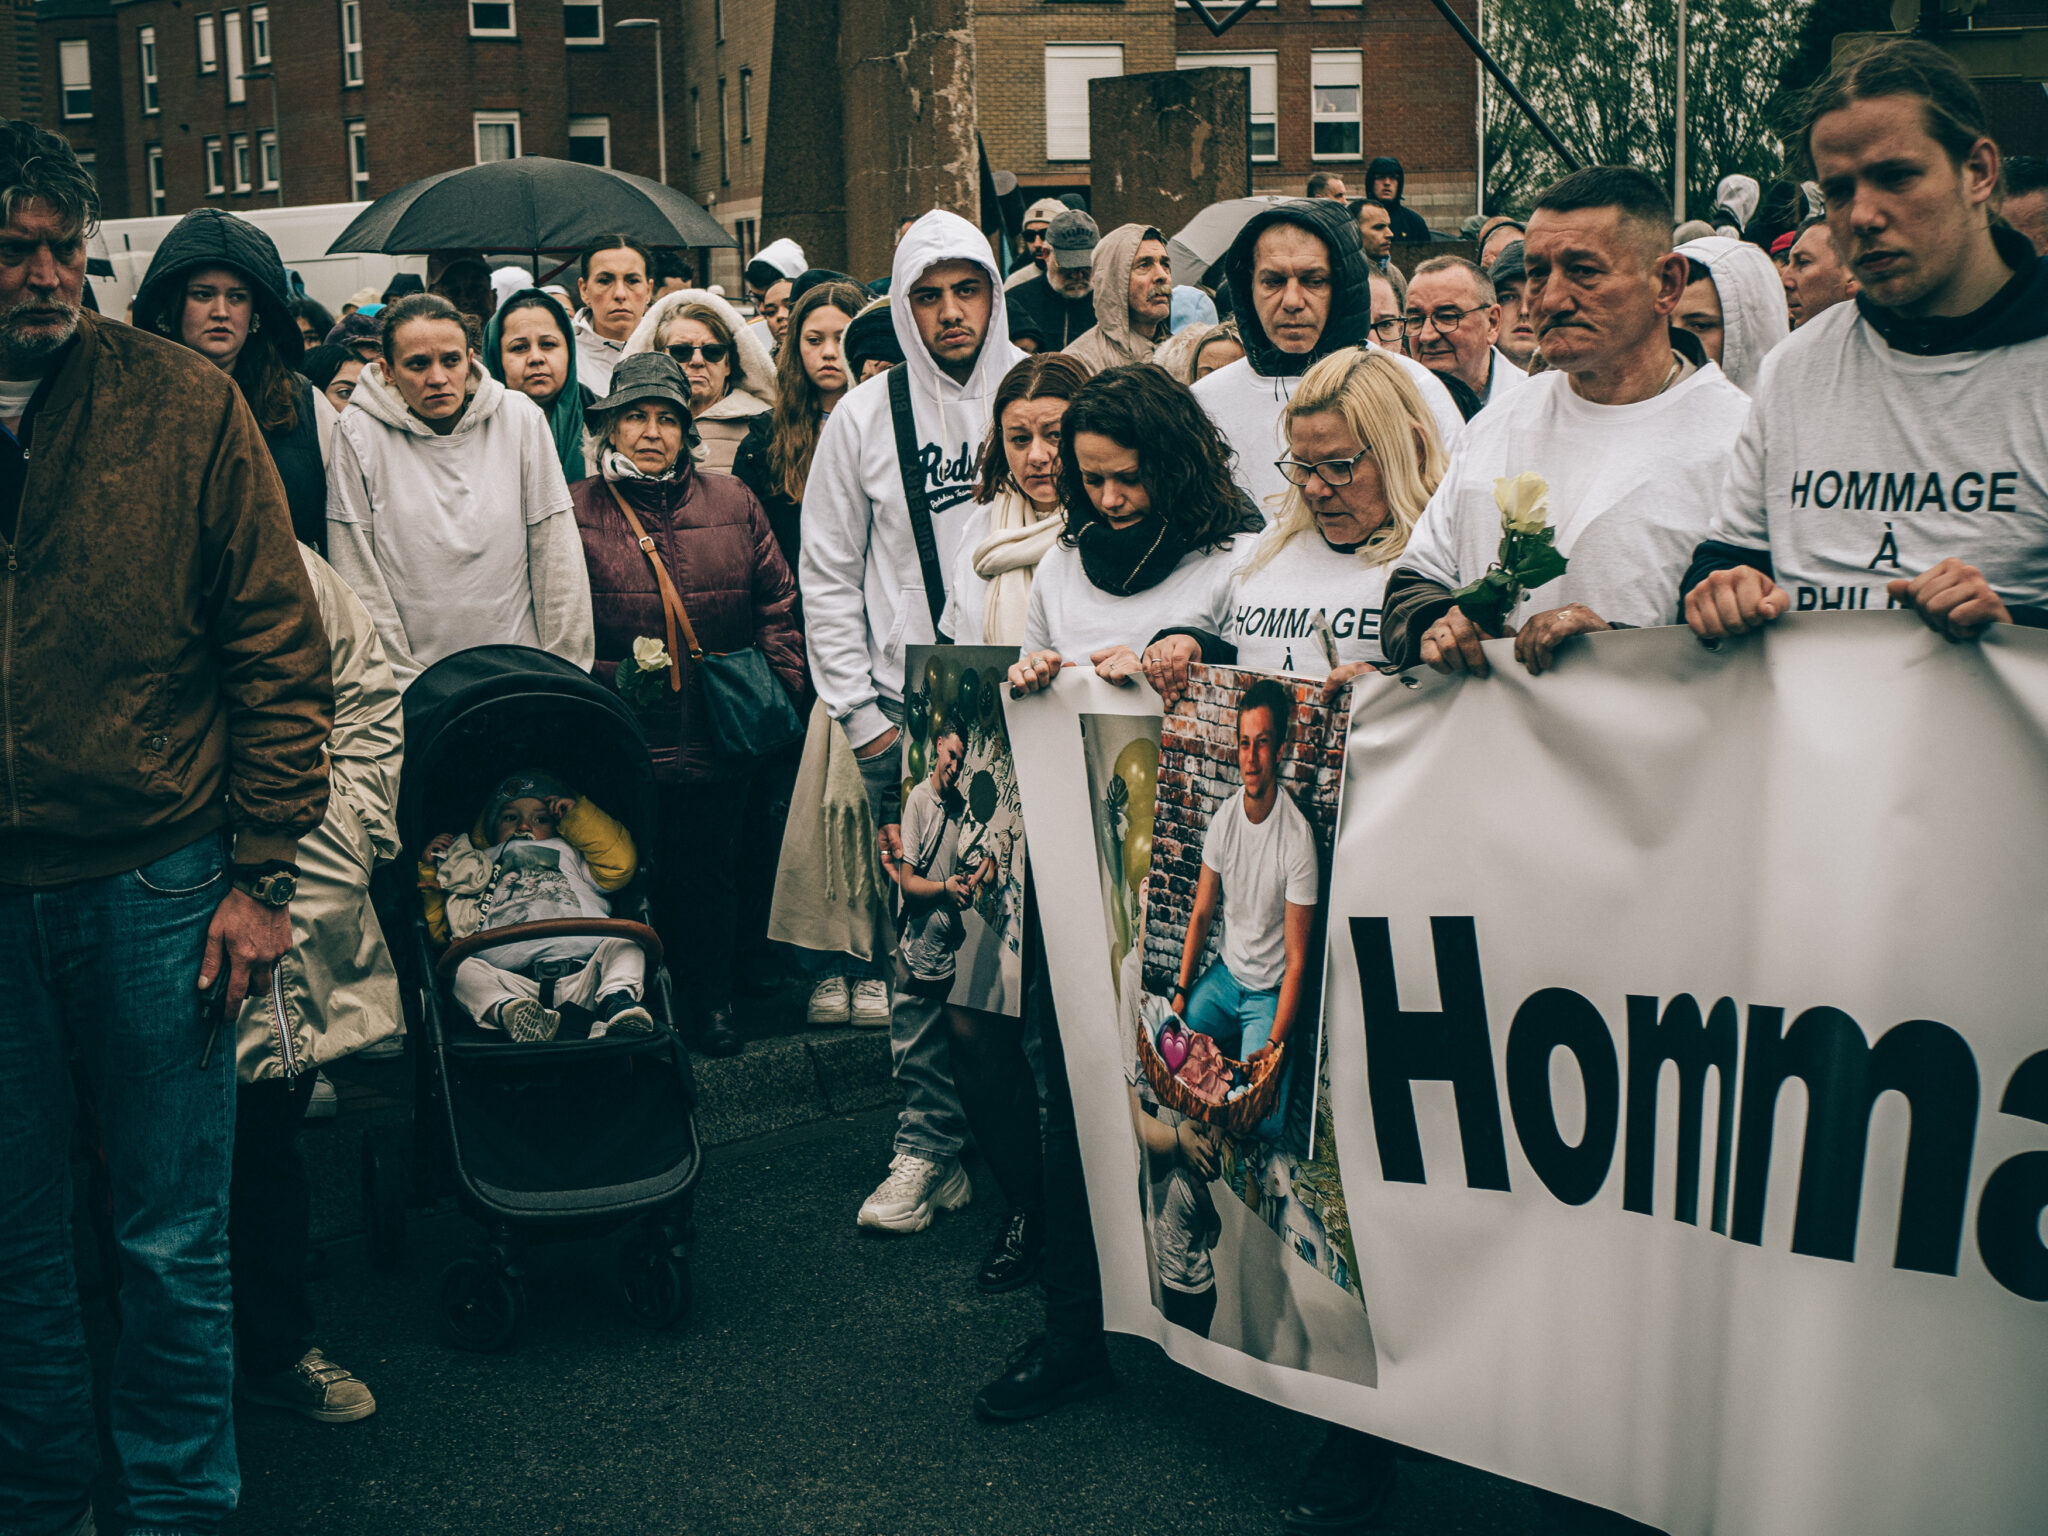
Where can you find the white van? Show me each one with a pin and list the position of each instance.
(119, 255)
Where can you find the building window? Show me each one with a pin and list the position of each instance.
(145, 46)
(724, 148)
(696, 123)
(153, 159)
(491, 18)
(590, 140)
(259, 34)
(583, 23)
(268, 160)
(358, 160)
(74, 66)
(216, 169)
(746, 106)
(351, 42)
(497, 136)
(231, 24)
(208, 63)
(1336, 77)
(1068, 69)
(1265, 73)
(238, 151)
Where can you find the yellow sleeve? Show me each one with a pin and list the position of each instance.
(433, 904)
(606, 846)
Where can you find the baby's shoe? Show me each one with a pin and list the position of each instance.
(526, 1021)
(620, 1013)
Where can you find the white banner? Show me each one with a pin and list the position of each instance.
(1688, 1075)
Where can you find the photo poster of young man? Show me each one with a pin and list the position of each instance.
(961, 913)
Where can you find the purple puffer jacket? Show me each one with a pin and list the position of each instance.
(714, 538)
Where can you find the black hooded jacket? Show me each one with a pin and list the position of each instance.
(1350, 318)
(1408, 223)
(206, 237)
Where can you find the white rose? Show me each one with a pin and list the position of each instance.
(1524, 502)
(650, 655)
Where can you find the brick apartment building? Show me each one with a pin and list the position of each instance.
(372, 94)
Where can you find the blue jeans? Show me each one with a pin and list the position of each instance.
(1239, 1019)
(106, 969)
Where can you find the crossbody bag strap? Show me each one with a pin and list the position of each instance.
(911, 467)
(672, 611)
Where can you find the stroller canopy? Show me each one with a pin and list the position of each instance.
(476, 716)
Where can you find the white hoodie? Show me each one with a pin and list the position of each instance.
(1753, 314)
(456, 541)
(864, 597)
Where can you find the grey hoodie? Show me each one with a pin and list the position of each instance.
(1753, 316)
(1111, 342)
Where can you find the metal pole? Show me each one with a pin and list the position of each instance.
(1479, 121)
(1678, 148)
(1571, 161)
(660, 107)
(277, 128)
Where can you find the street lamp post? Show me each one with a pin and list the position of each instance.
(660, 98)
(276, 127)
(1678, 146)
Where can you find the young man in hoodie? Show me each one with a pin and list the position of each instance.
(1384, 180)
(1631, 436)
(1896, 455)
(165, 699)
(1133, 285)
(1734, 304)
(1303, 290)
(771, 277)
(870, 591)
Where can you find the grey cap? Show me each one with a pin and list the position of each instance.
(1508, 266)
(1073, 236)
(647, 376)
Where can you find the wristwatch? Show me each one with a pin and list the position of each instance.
(273, 882)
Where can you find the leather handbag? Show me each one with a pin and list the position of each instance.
(749, 709)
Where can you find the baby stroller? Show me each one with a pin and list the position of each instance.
(566, 1138)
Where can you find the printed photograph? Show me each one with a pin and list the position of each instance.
(960, 917)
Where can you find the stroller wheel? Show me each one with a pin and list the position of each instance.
(655, 1281)
(384, 1182)
(481, 1305)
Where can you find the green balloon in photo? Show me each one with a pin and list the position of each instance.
(967, 700)
(917, 762)
(1138, 766)
(1138, 855)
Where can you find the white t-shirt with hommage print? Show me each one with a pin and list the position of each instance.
(1861, 465)
(1273, 608)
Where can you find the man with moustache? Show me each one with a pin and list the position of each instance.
(1133, 291)
(1897, 455)
(1632, 437)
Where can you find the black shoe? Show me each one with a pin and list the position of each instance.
(1347, 1486)
(1044, 1375)
(715, 1036)
(1013, 1261)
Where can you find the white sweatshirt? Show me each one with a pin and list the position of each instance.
(1273, 608)
(456, 541)
(1246, 408)
(863, 591)
(1071, 615)
(1860, 465)
(1633, 489)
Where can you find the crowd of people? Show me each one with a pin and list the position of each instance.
(239, 529)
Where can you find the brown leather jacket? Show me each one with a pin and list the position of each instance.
(162, 666)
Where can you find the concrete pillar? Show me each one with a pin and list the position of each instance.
(906, 80)
(803, 187)
(1162, 147)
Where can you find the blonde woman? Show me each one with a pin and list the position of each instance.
(1363, 456)
(732, 377)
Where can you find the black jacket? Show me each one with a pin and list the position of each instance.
(1350, 317)
(1407, 222)
(1061, 319)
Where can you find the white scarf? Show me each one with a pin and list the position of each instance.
(618, 467)
(1019, 536)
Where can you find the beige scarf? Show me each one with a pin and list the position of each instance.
(1019, 536)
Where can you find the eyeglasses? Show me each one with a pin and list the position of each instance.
(1390, 328)
(1445, 319)
(685, 351)
(1336, 473)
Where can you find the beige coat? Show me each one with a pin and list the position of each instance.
(828, 889)
(337, 991)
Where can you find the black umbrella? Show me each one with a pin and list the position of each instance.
(531, 204)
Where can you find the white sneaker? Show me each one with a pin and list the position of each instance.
(915, 1191)
(325, 1102)
(829, 1004)
(870, 1005)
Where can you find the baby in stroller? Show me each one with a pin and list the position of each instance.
(545, 854)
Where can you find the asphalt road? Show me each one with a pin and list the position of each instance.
(821, 1384)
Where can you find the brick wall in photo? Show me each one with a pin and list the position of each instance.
(1198, 772)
